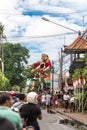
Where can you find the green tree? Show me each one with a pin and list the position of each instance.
(4, 82)
(76, 74)
(82, 72)
(2, 30)
(16, 88)
(15, 59)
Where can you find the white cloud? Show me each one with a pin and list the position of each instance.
(7, 5)
(33, 29)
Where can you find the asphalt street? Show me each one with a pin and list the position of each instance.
(52, 122)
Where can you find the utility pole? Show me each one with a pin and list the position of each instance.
(52, 76)
(61, 70)
(83, 23)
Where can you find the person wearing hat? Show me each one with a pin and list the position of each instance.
(31, 111)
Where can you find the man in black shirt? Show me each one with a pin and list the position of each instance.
(31, 111)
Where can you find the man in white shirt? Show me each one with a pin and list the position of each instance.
(66, 101)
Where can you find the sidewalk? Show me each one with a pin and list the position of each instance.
(77, 117)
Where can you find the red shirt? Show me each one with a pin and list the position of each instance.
(48, 63)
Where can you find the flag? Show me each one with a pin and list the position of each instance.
(69, 84)
(83, 81)
(79, 82)
(75, 84)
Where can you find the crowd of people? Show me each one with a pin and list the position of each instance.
(20, 114)
(64, 100)
(22, 111)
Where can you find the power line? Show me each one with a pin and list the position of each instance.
(43, 36)
(10, 12)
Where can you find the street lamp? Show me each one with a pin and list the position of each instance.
(2, 66)
(1, 47)
(45, 19)
(61, 56)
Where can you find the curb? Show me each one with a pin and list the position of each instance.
(81, 123)
(73, 121)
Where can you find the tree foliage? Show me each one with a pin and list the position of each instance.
(4, 82)
(82, 71)
(2, 35)
(16, 88)
(79, 73)
(15, 59)
(76, 74)
(1, 28)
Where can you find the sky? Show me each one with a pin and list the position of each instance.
(23, 24)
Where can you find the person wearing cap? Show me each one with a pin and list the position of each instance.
(13, 94)
(31, 111)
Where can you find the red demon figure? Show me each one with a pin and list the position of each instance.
(41, 68)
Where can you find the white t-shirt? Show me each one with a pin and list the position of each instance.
(43, 98)
(72, 99)
(66, 97)
(48, 98)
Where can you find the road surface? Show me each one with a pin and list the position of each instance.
(52, 122)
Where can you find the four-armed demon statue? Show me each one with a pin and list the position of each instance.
(41, 69)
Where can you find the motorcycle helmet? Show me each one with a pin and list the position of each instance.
(32, 97)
